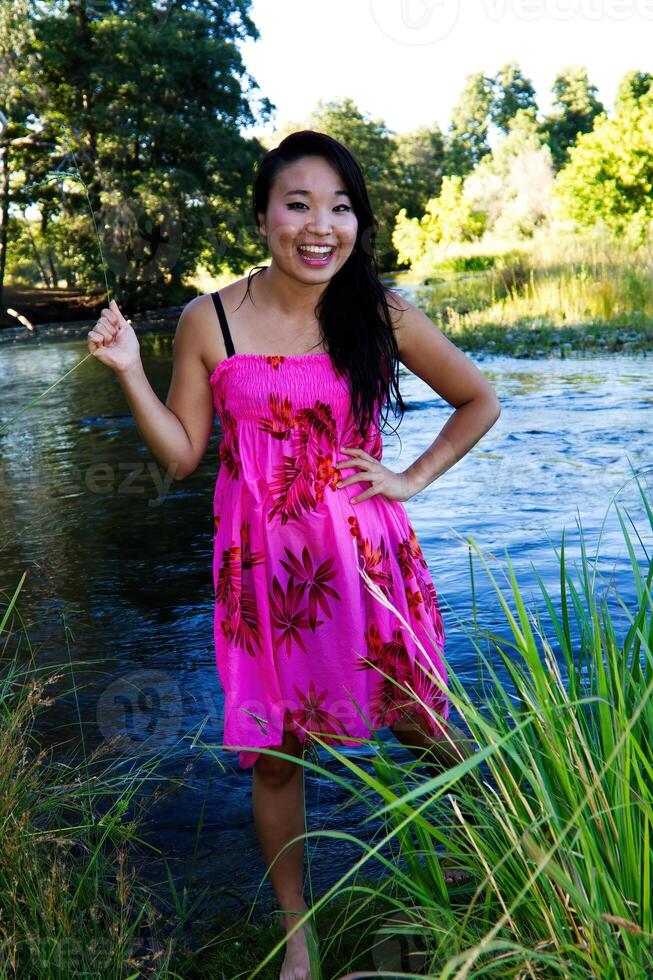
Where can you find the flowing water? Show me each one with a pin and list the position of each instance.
(118, 566)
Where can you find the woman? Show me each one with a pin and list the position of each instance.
(298, 360)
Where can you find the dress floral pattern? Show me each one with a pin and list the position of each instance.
(300, 641)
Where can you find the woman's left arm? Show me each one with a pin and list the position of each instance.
(425, 351)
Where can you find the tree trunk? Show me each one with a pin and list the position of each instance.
(4, 213)
(53, 271)
(37, 255)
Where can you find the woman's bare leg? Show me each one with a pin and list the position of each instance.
(436, 750)
(278, 806)
(439, 754)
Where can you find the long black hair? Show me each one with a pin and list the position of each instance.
(353, 310)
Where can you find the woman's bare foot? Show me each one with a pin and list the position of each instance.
(453, 873)
(296, 964)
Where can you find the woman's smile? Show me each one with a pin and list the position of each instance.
(316, 255)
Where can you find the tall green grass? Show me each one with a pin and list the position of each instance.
(70, 904)
(551, 817)
(555, 825)
(586, 292)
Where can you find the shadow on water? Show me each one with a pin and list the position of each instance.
(123, 555)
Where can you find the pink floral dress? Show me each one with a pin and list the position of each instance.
(300, 640)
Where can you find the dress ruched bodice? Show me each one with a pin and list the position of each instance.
(301, 641)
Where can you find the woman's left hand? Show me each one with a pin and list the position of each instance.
(393, 486)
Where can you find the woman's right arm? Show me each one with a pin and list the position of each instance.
(178, 432)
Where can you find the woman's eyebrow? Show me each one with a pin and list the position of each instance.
(299, 190)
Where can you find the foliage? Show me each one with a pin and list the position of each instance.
(609, 177)
(15, 35)
(422, 158)
(485, 100)
(118, 99)
(453, 216)
(450, 217)
(633, 86)
(575, 107)
(116, 138)
(467, 263)
(560, 293)
(512, 93)
(71, 903)
(507, 193)
(468, 130)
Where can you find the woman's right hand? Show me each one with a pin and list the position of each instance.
(113, 340)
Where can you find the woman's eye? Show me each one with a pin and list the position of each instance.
(301, 204)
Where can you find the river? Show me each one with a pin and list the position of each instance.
(119, 565)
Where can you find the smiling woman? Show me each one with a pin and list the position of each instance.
(298, 362)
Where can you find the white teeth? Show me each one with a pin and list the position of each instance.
(318, 249)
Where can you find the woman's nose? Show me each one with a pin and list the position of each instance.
(320, 225)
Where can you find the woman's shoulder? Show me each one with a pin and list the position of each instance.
(203, 303)
(196, 331)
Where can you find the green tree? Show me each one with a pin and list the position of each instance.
(449, 218)
(632, 87)
(468, 130)
(14, 111)
(575, 107)
(147, 103)
(373, 145)
(421, 155)
(511, 92)
(609, 176)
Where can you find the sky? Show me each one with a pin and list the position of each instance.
(405, 61)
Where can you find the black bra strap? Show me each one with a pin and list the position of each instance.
(219, 308)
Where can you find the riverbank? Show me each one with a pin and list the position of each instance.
(41, 306)
(547, 340)
(530, 339)
(554, 296)
(163, 320)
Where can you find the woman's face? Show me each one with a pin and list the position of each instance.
(309, 205)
